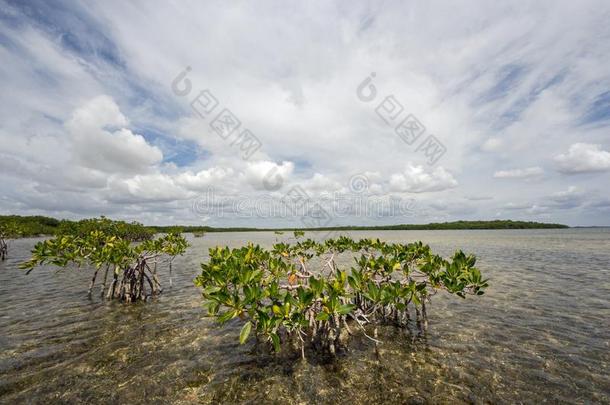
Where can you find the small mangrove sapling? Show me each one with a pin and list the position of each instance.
(133, 267)
(8, 230)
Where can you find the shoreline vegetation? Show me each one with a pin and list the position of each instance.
(292, 295)
(40, 225)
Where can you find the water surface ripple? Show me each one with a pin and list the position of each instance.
(541, 334)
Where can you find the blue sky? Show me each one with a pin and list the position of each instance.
(514, 96)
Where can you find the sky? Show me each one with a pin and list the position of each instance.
(276, 113)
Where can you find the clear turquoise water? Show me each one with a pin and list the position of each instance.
(541, 334)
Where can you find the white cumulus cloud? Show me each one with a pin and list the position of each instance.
(98, 143)
(527, 173)
(203, 179)
(264, 174)
(583, 158)
(416, 179)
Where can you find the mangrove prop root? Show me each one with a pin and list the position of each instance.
(3, 249)
(104, 282)
(134, 283)
(170, 274)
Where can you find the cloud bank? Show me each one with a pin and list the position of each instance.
(516, 95)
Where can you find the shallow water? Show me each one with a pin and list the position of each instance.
(540, 334)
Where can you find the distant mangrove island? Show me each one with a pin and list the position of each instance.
(41, 225)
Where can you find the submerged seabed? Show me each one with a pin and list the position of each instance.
(540, 334)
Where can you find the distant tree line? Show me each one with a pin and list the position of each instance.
(28, 226)
(496, 224)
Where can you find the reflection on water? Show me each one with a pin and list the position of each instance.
(540, 334)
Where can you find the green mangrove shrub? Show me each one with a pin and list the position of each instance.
(132, 266)
(8, 230)
(297, 294)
